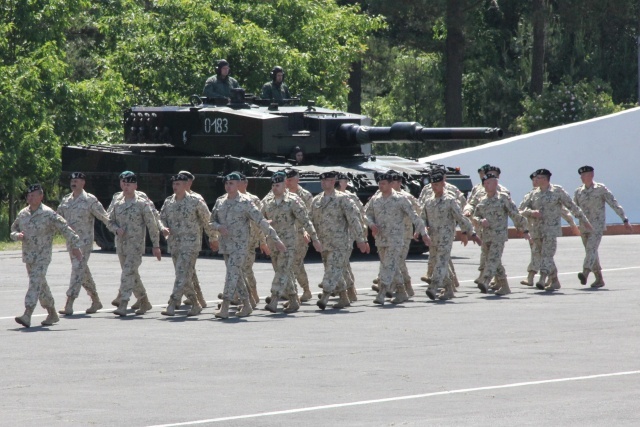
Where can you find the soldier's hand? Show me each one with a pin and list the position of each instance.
(223, 230)
(427, 240)
(374, 230)
(264, 248)
(416, 236)
(464, 239)
(77, 253)
(20, 236)
(628, 226)
(317, 246)
(527, 237)
(306, 238)
(281, 247)
(214, 245)
(536, 214)
(363, 247)
(157, 253)
(120, 232)
(166, 232)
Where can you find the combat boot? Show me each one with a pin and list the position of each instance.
(376, 281)
(272, 304)
(409, 288)
(306, 294)
(68, 307)
(530, 277)
(95, 304)
(375, 288)
(200, 297)
(543, 278)
(483, 287)
(431, 292)
(196, 308)
(185, 302)
(293, 304)
(116, 302)
(145, 305)
(252, 301)
(494, 286)
(425, 279)
(352, 294)
(323, 300)
(25, 319)
(401, 295)
(583, 276)
(599, 280)
(504, 289)
(343, 302)
(246, 308)
(447, 293)
(51, 318)
(223, 313)
(136, 305)
(122, 308)
(380, 297)
(170, 310)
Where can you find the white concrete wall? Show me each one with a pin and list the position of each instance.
(611, 144)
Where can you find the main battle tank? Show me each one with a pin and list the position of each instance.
(212, 137)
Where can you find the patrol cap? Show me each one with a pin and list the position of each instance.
(179, 177)
(278, 177)
(385, 177)
(128, 176)
(188, 174)
(544, 172)
(341, 175)
(291, 173)
(584, 169)
(483, 168)
(233, 176)
(489, 175)
(34, 187)
(491, 168)
(328, 174)
(437, 177)
(77, 175)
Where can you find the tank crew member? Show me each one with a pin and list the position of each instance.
(385, 214)
(491, 214)
(297, 155)
(544, 210)
(287, 215)
(276, 90)
(184, 216)
(129, 215)
(333, 214)
(342, 182)
(80, 209)
(442, 212)
(591, 197)
(220, 85)
(230, 216)
(35, 226)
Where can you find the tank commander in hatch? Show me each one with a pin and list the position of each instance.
(220, 85)
(276, 90)
(297, 155)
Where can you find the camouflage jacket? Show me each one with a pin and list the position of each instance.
(133, 216)
(592, 202)
(497, 210)
(334, 216)
(442, 214)
(549, 203)
(474, 199)
(287, 216)
(427, 192)
(389, 214)
(80, 213)
(565, 214)
(186, 218)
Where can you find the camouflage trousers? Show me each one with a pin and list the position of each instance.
(184, 263)
(439, 257)
(491, 258)
(335, 262)
(38, 286)
(391, 260)
(234, 280)
(534, 264)
(545, 248)
(451, 270)
(404, 271)
(591, 242)
(349, 278)
(130, 281)
(81, 275)
(247, 268)
(283, 284)
(298, 262)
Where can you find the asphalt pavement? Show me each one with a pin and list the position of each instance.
(571, 357)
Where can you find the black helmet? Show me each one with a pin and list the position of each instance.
(277, 69)
(221, 63)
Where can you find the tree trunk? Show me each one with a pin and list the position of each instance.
(355, 85)
(454, 57)
(537, 55)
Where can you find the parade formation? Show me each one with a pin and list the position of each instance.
(289, 218)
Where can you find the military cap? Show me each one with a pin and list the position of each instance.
(233, 176)
(489, 175)
(492, 168)
(483, 168)
(437, 177)
(188, 174)
(77, 175)
(128, 176)
(34, 187)
(533, 174)
(278, 177)
(328, 174)
(584, 169)
(291, 173)
(179, 177)
(296, 149)
(385, 177)
(341, 175)
(544, 172)
(242, 176)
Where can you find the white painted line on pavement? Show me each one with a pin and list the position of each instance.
(395, 399)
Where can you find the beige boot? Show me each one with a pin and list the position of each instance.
(306, 294)
(409, 288)
(272, 304)
(425, 279)
(343, 302)
(599, 280)
(323, 300)
(380, 297)
(171, 309)
(51, 318)
(185, 302)
(68, 307)
(503, 289)
(447, 294)
(95, 304)
(116, 302)
(401, 295)
(541, 282)
(432, 292)
(375, 288)
(484, 286)
(122, 308)
(352, 294)
(136, 305)
(196, 308)
(223, 313)
(25, 319)
(246, 308)
(583, 276)
(293, 305)
(145, 305)
(530, 277)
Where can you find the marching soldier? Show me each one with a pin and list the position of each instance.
(185, 215)
(334, 215)
(287, 215)
(231, 216)
(80, 209)
(129, 215)
(591, 197)
(35, 226)
(544, 208)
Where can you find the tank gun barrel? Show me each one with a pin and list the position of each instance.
(353, 134)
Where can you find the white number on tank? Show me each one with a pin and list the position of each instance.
(217, 125)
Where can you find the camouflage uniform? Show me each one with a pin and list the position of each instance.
(348, 272)
(38, 228)
(334, 217)
(545, 230)
(592, 202)
(256, 240)
(408, 235)
(235, 214)
(185, 218)
(302, 246)
(80, 214)
(216, 87)
(133, 216)
(389, 214)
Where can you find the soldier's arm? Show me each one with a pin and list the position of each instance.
(566, 215)
(152, 225)
(98, 211)
(518, 220)
(565, 199)
(258, 218)
(611, 201)
(352, 213)
(202, 214)
(418, 223)
(463, 221)
(67, 232)
(302, 217)
(16, 233)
